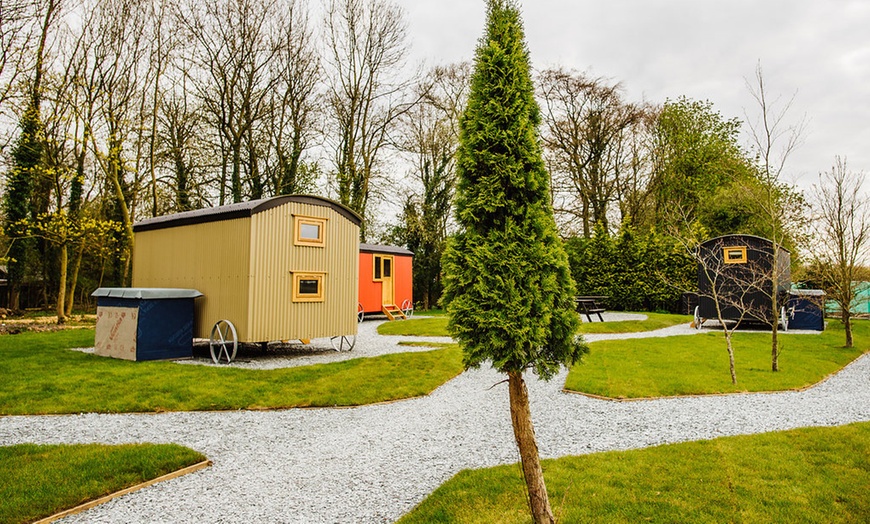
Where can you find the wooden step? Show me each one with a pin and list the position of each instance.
(392, 311)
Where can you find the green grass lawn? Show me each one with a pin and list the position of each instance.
(809, 475)
(39, 377)
(654, 321)
(436, 325)
(432, 326)
(38, 481)
(698, 364)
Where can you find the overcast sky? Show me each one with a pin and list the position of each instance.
(816, 51)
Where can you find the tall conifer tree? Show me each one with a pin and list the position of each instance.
(508, 285)
(27, 158)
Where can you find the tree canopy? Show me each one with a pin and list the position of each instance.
(507, 281)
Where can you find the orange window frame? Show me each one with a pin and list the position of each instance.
(299, 221)
(308, 276)
(728, 254)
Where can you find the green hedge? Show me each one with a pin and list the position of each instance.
(638, 271)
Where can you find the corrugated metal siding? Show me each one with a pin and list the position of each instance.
(370, 292)
(212, 258)
(404, 279)
(273, 315)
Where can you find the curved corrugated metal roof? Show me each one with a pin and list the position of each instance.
(240, 210)
(741, 236)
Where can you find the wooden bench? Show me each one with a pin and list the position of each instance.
(590, 306)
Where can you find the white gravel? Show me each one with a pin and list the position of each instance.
(374, 463)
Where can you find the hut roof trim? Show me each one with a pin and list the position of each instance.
(240, 210)
(392, 250)
(723, 238)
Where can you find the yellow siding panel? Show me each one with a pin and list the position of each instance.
(273, 314)
(212, 258)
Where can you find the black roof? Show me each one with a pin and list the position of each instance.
(393, 250)
(745, 238)
(240, 210)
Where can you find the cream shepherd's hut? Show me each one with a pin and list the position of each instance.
(281, 268)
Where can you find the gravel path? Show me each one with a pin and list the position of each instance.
(374, 463)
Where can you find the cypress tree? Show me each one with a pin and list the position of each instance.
(508, 286)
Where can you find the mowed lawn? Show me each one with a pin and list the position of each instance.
(808, 475)
(698, 364)
(38, 481)
(41, 377)
(653, 321)
(436, 326)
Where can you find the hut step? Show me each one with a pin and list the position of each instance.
(393, 311)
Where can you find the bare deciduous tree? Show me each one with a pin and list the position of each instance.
(429, 135)
(18, 29)
(842, 241)
(293, 118)
(235, 44)
(119, 63)
(774, 139)
(587, 135)
(366, 49)
(180, 125)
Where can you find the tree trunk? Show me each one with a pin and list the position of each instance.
(61, 287)
(14, 297)
(730, 356)
(73, 281)
(847, 326)
(774, 348)
(524, 433)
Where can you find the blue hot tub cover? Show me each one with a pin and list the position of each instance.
(146, 293)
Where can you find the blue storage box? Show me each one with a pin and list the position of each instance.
(806, 309)
(144, 323)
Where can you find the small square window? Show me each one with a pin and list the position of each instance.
(734, 255)
(308, 287)
(309, 231)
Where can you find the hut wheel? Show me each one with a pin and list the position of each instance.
(408, 308)
(360, 312)
(696, 323)
(783, 316)
(224, 342)
(343, 342)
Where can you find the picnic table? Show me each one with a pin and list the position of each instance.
(590, 305)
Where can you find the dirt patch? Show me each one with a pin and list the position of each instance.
(15, 325)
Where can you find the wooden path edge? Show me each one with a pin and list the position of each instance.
(106, 498)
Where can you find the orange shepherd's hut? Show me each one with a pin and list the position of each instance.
(385, 281)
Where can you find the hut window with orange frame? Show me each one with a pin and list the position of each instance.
(309, 231)
(308, 287)
(734, 254)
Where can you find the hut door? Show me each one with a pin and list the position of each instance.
(387, 289)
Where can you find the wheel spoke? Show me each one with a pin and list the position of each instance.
(223, 342)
